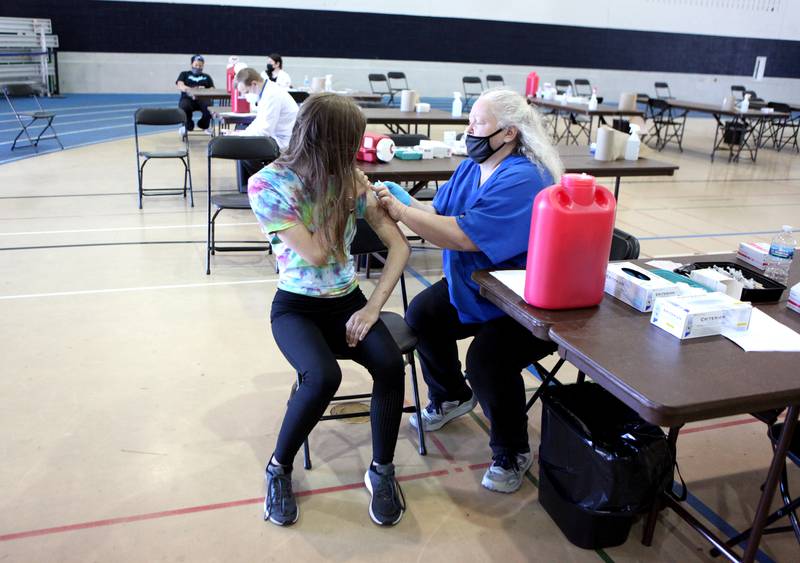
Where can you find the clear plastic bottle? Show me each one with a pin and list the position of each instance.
(306, 83)
(457, 105)
(781, 252)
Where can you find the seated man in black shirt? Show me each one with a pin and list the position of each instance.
(187, 81)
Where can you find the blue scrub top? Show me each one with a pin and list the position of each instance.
(497, 218)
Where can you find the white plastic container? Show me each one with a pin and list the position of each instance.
(593, 100)
(458, 106)
(633, 145)
(745, 105)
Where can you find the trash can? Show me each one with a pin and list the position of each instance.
(734, 133)
(600, 464)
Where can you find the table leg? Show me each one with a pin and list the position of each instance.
(772, 482)
(658, 505)
(616, 188)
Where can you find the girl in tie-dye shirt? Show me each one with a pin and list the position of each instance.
(308, 202)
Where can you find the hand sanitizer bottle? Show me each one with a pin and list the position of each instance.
(457, 105)
(632, 147)
(593, 100)
(745, 105)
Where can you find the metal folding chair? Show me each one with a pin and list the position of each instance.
(583, 87)
(161, 117)
(668, 124)
(737, 91)
(234, 147)
(494, 81)
(27, 119)
(394, 80)
(470, 93)
(379, 84)
(366, 242)
(782, 131)
(563, 86)
(662, 91)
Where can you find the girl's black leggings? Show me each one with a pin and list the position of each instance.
(310, 332)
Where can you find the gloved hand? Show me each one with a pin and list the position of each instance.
(398, 192)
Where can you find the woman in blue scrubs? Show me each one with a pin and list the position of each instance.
(481, 219)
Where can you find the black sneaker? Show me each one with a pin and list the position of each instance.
(280, 506)
(388, 503)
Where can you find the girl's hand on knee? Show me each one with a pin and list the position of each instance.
(359, 325)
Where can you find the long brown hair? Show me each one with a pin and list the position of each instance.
(322, 151)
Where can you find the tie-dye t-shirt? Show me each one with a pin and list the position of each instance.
(280, 201)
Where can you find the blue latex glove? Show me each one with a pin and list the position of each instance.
(398, 192)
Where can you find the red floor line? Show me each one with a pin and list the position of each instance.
(719, 425)
(475, 466)
(201, 508)
(440, 446)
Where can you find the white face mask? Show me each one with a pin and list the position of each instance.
(251, 97)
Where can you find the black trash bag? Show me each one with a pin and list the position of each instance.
(598, 454)
(734, 133)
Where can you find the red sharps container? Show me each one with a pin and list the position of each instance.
(571, 228)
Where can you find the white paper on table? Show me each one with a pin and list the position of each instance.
(764, 334)
(664, 265)
(513, 279)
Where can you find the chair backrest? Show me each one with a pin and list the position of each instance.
(366, 240)
(299, 96)
(159, 116)
(234, 147)
(375, 81)
(562, 85)
(624, 246)
(753, 96)
(738, 91)
(467, 81)
(662, 90)
(396, 76)
(407, 139)
(780, 107)
(20, 90)
(496, 78)
(583, 87)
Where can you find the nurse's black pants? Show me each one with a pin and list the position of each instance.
(310, 332)
(500, 350)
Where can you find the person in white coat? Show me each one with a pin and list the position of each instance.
(275, 71)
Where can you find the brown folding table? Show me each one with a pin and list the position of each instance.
(670, 382)
(402, 121)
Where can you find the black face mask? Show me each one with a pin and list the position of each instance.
(197, 71)
(270, 68)
(479, 149)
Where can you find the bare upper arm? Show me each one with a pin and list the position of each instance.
(383, 225)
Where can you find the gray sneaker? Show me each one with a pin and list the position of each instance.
(280, 506)
(506, 473)
(434, 418)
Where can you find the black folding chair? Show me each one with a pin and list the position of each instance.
(468, 83)
(494, 81)
(394, 81)
(668, 123)
(583, 87)
(662, 91)
(367, 242)
(737, 91)
(299, 96)
(563, 85)
(27, 119)
(782, 131)
(378, 84)
(159, 117)
(234, 147)
(624, 246)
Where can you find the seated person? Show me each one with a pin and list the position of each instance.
(186, 82)
(276, 73)
(276, 112)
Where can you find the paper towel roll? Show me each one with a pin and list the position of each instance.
(317, 84)
(627, 101)
(407, 100)
(728, 104)
(605, 144)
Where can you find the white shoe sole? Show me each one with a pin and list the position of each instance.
(460, 410)
(368, 484)
(493, 486)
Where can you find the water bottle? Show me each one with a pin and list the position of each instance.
(781, 252)
(457, 106)
(306, 84)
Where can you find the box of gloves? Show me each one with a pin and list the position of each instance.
(754, 253)
(693, 316)
(636, 286)
(794, 298)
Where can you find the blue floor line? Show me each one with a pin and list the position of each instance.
(718, 522)
(710, 235)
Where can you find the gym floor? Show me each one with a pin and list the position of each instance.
(141, 398)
